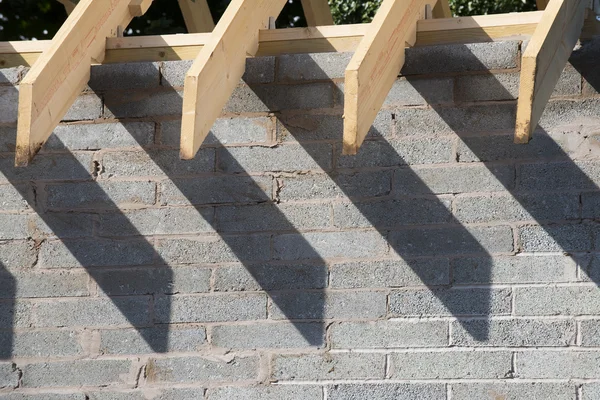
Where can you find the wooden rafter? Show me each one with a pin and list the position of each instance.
(442, 9)
(340, 38)
(219, 67)
(376, 65)
(196, 15)
(317, 12)
(62, 71)
(69, 5)
(541, 4)
(544, 60)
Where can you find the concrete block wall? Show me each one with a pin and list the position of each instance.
(442, 262)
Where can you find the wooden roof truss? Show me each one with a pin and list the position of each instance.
(61, 67)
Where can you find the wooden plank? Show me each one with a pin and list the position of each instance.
(219, 67)
(340, 38)
(317, 12)
(69, 5)
(375, 66)
(63, 69)
(442, 10)
(197, 16)
(544, 60)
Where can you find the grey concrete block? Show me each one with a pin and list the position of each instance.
(77, 373)
(155, 394)
(321, 186)
(569, 83)
(258, 70)
(95, 253)
(93, 312)
(215, 250)
(399, 152)
(216, 189)
(16, 197)
(330, 305)
(100, 195)
(43, 396)
(328, 366)
(444, 179)
(147, 280)
(562, 113)
(156, 221)
(420, 92)
(10, 76)
(392, 213)
(487, 87)
(224, 131)
(61, 225)
(590, 333)
(387, 391)
(142, 103)
(17, 254)
(8, 138)
(570, 300)
(287, 158)
(42, 343)
(48, 167)
(316, 245)
(390, 273)
(566, 175)
(513, 333)
(45, 284)
(577, 237)
(273, 392)
(139, 75)
(147, 340)
(263, 98)
(590, 391)
(389, 334)
(14, 226)
(511, 269)
(273, 217)
(15, 314)
(85, 107)
(9, 375)
(9, 103)
(590, 266)
(461, 58)
(450, 302)
(452, 240)
(590, 205)
(447, 120)
(519, 207)
(269, 336)
(155, 163)
(173, 72)
(101, 136)
(194, 369)
(317, 66)
(270, 277)
(557, 364)
(502, 147)
(513, 391)
(451, 365)
(211, 308)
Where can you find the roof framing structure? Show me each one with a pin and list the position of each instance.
(61, 67)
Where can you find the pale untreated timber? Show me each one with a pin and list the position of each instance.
(317, 12)
(541, 4)
(544, 60)
(196, 15)
(442, 9)
(63, 69)
(219, 67)
(376, 65)
(339, 38)
(69, 5)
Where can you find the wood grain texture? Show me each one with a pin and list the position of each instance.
(544, 60)
(317, 12)
(219, 67)
(197, 16)
(63, 69)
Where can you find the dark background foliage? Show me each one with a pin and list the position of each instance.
(40, 19)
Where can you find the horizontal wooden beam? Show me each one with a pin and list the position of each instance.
(63, 69)
(544, 60)
(340, 38)
(376, 64)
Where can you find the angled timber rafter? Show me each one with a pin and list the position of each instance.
(69, 5)
(442, 9)
(219, 67)
(197, 16)
(376, 64)
(317, 12)
(544, 60)
(62, 71)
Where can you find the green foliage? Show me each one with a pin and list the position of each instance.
(40, 19)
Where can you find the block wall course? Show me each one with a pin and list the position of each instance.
(441, 262)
